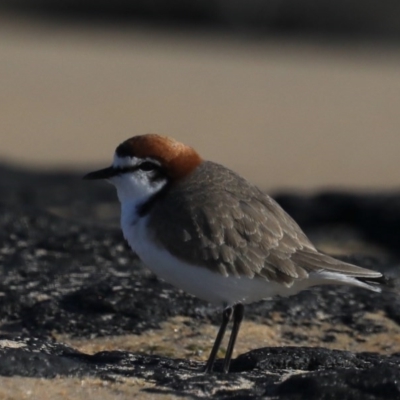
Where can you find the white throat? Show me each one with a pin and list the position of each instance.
(134, 188)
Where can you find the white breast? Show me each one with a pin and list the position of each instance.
(197, 280)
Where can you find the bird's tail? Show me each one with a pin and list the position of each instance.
(326, 269)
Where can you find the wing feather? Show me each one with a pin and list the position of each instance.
(234, 229)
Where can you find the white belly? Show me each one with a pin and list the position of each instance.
(200, 281)
(206, 284)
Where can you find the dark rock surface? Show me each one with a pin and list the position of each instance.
(65, 270)
(320, 373)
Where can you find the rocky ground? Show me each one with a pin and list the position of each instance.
(81, 318)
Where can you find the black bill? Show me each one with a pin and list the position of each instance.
(104, 173)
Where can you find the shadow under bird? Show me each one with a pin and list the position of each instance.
(206, 230)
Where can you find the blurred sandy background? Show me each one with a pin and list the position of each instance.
(285, 111)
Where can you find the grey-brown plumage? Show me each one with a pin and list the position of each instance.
(217, 219)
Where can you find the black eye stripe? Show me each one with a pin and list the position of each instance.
(147, 166)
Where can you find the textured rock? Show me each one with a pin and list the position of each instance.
(319, 373)
(67, 273)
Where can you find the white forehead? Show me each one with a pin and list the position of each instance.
(124, 162)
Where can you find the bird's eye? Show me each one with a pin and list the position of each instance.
(147, 166)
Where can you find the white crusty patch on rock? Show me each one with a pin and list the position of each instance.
(11, 344)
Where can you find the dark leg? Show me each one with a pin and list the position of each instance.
(226, 316)
(238, 312)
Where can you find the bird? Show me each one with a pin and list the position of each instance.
(208, 231)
